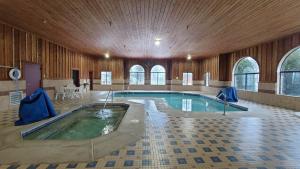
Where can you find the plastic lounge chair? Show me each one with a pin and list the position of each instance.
(60, 92)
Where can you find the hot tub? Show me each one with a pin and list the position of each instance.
(86, 122)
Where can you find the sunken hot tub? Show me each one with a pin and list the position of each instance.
(86, 122)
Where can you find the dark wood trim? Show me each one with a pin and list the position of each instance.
(6, 93)
(266, 91)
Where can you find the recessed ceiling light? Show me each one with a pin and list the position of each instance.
(106, 55)
(157, 41)
(189, 57)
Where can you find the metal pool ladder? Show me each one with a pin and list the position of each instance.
(106, 99)
(225, 103)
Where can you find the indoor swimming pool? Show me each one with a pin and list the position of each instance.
(184, 101)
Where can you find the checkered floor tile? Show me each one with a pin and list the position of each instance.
(175, 142)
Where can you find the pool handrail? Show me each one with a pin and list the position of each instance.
(106, 99)
(225, 103)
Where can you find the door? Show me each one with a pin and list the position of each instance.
(91, 80)
(75, 76)
(32, 75)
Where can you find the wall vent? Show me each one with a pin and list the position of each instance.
(15, 97)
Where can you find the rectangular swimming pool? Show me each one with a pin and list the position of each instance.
(184, 101)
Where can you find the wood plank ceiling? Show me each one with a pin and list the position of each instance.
(128, 28)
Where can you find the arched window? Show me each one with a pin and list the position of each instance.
(289, 73)
(246, 74)
(158, 75)
(137, 75)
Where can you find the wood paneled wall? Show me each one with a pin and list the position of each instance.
(267, 55)
(58, 62)
(182, 65)
(116, 66)
(211, 65)
(18, 47)
(224, 67)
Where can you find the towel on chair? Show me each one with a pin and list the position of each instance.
(230, 93)
(36, 107)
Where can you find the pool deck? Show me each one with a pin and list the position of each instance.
(263, 137)
(129, 131)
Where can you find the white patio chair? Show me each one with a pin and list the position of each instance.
(70, 91)
(60, 92)
(79, 92)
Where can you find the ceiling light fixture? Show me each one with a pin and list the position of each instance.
(106, 55)
(189, 57)
(157, 41)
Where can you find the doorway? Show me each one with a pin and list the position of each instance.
(91, 80)
(32, 75)
(75, 77)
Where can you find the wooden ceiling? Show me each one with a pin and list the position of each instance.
(128, 28)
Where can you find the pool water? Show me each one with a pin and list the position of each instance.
(84, 123)
(183, 101)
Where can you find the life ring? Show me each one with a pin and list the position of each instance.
(15, 74)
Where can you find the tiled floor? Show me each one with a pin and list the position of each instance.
(271, 141)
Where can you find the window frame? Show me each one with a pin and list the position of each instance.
(245, 75)
(106, 78)
(157, 76)
(280, 72)
(187, 79)
(131, 73)
(246, 80)
(280, 81)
